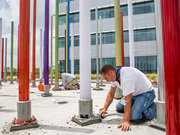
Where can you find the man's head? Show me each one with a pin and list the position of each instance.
(109, 73)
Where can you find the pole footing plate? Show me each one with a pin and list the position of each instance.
(86, 121)
(46, 95)
(26, 125)
(156, 124)
(97, 89)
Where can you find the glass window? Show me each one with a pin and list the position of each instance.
(144, 35)
(61, 42)
(108, 38)
(93, 15)
(76, 40)
(62, 66)
(93, 39)
(142, 8)
(62, 19)
(124, 10)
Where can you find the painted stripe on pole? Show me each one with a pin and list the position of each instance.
(40, 53)
(0, 43)
(12, 39)
(72, 48)
(122, 39)
(2, 58)
(5, 58)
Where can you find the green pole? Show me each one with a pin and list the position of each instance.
(51, 47)
(117, 32)
(56, 45)
(12, 33)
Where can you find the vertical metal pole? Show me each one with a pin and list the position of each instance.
(68, 23)
(131, 33)
(2, 58)
(51, 49)
(12, 34)
(0, 45)
(24, 104)
(46, 51)
(40, 53)
(56, 45)
(160, 62)
(118, 48)
(66, 39)
(18, 57)
(122, 38)
(29, 56)
(117, 32)
(5, 72)
(171, 34)
(65, 57)
(100, 34)
(72, 48)
(34, 46)
(97, 51)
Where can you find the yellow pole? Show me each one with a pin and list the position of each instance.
(117, 32)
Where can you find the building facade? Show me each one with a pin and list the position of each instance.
(144, 33)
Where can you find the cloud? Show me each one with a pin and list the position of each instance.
(9, 11)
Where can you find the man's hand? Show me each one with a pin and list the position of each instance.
(102, 112)
(125, 126)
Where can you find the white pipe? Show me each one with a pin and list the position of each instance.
(85, 50)
(41, 59)
(131, 33)
(29, 55)
(97, 51)
(100, 34)
(0, 45)
(72, 48)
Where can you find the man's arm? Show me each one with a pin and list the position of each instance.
(109, 100)
(125, 126)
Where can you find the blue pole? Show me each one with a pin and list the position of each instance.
(68, 36)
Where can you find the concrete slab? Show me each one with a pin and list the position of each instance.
(54, 113)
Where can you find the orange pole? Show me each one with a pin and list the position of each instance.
(34, 41)
(24, 50)
(122, 39)
(2, 57)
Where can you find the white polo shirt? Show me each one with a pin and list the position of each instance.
(132, 81)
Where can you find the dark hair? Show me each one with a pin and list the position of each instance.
(105, 69)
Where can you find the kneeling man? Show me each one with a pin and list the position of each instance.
(137, 104)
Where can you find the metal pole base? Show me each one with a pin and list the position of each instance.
(17, 80)
(86, 121)
(156, 124)
(118, 94)
(29, 80)
(86, 116)
(46, 91)
(40, 81)
(0, 83)
(56, 88)
(5, 80)
(33, 83)
(11, 82)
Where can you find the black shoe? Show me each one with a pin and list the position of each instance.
(139, 121)
(120, 111)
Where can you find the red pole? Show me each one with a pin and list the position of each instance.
(34, 41)
(170, 10)
(2, 57)
(24, 50)
(122, 39)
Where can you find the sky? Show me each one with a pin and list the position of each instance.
(9, 11)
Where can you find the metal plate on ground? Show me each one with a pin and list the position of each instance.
(156, 124)
(15, 127)
(86, 121)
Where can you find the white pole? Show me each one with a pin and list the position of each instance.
(85, 50)
(41, 55)
(29, 56)
(100, 34)
(0, 46)
(97, 51)
(5, 58)
(72, 48)
(131, 33)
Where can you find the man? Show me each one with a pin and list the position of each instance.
(69, 81)
(138, 92)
